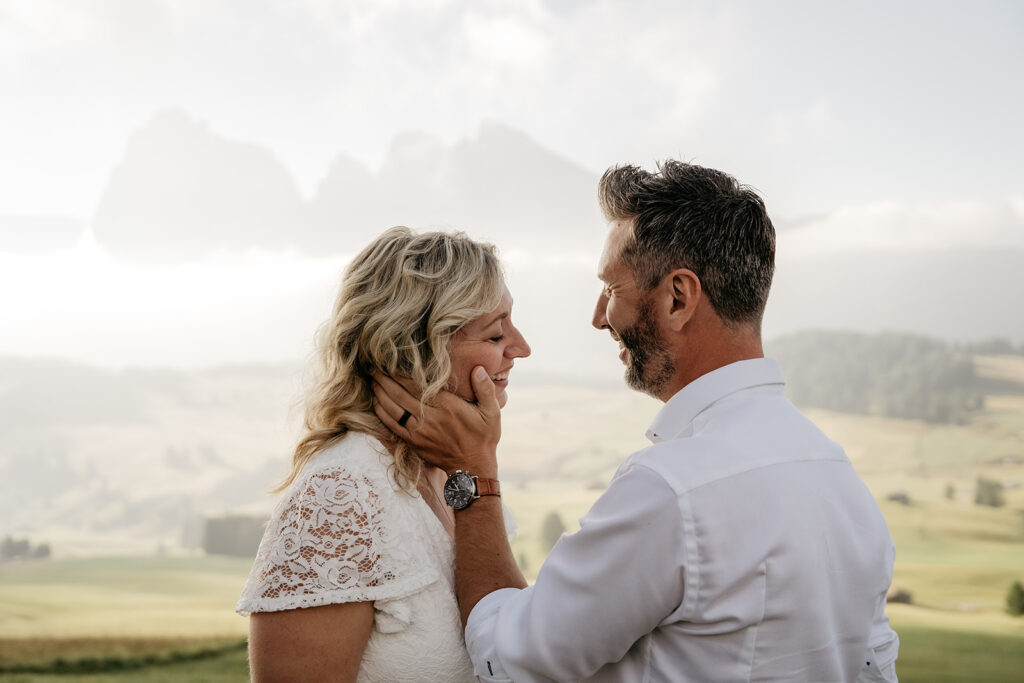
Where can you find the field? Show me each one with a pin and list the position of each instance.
(170, 618)
(151, 619)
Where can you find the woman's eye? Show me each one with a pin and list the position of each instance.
(498, 338)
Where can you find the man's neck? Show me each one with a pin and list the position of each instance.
(715, 352)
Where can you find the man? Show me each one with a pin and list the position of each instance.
(739, 546)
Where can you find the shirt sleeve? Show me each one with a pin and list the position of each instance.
(334, 539)
(600, 590)
(883, 643)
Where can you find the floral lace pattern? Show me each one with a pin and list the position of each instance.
(343, 532)
(340, 534)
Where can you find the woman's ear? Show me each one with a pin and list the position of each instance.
(684, 292)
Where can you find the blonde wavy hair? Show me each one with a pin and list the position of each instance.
(402, 300)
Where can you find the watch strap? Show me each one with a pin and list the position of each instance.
(487, 487)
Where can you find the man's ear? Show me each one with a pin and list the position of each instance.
(683, 288)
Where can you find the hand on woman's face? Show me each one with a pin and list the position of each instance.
(491, 341)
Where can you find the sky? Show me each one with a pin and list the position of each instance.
(882, 125)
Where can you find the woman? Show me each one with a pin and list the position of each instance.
(354, 578)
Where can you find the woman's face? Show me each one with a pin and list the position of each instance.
(491, 341)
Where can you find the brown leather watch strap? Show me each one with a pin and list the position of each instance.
(487, 487)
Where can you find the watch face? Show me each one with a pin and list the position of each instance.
(459, 490)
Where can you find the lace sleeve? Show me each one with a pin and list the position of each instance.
(339, 536)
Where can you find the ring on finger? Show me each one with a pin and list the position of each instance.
(405, 418)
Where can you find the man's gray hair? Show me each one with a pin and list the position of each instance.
(687, 216)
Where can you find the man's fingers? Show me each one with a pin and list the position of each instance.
(396, 392)
(383, 399)
(483, 389)
(405, 383)
(393, 409)
(391, 423)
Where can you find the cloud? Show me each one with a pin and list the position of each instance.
(28, 26)
(902, 226)
(815, 122)
(505, 41)
(45, 26)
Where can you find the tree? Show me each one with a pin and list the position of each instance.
(236, 535)
(989, 492)
(551, 530)
(20, 549)
(1015, 599)
(15, 548)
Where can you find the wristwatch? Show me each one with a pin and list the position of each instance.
(463, 488)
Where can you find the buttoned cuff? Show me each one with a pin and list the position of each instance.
(480, 628)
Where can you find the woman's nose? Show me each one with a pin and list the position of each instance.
(519, 349)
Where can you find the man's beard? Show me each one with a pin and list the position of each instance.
(650, 365)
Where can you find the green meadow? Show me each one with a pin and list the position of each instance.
(171, 618)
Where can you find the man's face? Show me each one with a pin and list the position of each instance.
(630, 317)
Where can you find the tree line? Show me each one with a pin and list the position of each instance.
(891, 375)
(21, 549)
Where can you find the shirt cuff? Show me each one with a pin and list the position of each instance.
(480, 627)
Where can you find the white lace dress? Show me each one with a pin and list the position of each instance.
(344, 532)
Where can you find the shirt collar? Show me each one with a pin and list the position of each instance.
(699, 394)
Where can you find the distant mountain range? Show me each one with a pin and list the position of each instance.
(181, 191)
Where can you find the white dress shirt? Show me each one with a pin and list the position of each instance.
(740, 546)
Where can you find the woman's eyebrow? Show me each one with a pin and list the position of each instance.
(495, 319)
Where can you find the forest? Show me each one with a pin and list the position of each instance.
(890, 375)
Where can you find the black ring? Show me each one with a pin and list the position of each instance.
(405, 418)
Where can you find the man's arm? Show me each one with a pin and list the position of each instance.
(600, 590)
(483, 557)
(883, 643)
(458, 435)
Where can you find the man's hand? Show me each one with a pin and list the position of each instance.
(453, 434)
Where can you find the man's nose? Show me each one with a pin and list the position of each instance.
(600, 320)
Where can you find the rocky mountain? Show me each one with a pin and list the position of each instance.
(182, 191)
